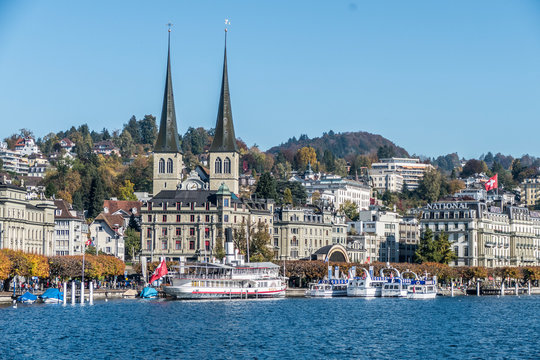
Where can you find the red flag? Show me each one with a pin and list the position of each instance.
(492, 183)
(88, 242)
(160, 271)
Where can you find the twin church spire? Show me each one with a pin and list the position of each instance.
(167, 148)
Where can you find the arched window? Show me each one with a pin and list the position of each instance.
(227, 166)
(161, 169)
(218, 166)
(169, 166)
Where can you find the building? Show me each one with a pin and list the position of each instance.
(187, 218)
(13, 161)
(107, 234)
(335, 190)
(487, 234)
(300, 231)
(530, 191)
(26, 225)
(106, 148)
(125, 208)
(412, 171)
(67, 144)
(71, 230)
(386, 180)
(26, 146)
(409, 238)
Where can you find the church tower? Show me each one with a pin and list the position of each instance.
(167, 155)
(224, 159)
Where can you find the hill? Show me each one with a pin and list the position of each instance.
(342, 145)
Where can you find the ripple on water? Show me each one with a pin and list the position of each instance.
(344, 328)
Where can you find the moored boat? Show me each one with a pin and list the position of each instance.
(328, 288)
(52, 296)
(423, 289)
(366, 286)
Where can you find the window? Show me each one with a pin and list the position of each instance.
(207, 206)
(207, 218)
(191, 231)
(218, 166)
(164, 218)
(192, 245)
(164, 231)
(207, 245)
(148, 232)
(226, 202)
(149, 218)
(108, 250)
(169, 166)
(178, 218)
(108, 239)
(178, 206)
(177, 245)
(178, 231)
(163, 244)
(227, 166)
(149, 207)
(225, 218)
(192, 218)
(164, 206)
(161, 169)
(192, 205)
(207, 233)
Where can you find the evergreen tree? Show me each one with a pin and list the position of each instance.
(426, 247)
(96, 197)
(266, 187)
(134, 224)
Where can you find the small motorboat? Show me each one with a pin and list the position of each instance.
(27, 298)
(52, 296)
(149, 293)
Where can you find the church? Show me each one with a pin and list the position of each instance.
(188, 217)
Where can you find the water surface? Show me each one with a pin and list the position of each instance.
(341, 328)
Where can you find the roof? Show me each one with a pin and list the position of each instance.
(113, 221)
(223, 190)
(224, 138)
(64, 208)
(113, 206)
(167, 140)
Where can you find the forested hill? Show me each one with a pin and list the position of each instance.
(342, 145)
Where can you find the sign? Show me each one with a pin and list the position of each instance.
(447, 206)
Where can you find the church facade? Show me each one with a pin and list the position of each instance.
(188, 217)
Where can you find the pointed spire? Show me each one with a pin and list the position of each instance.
(167, 140)
(224, 138)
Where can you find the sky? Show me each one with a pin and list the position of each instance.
(434, 77)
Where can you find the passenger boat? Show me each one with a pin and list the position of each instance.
(232, 279)
(423, 289)
(397, 286)
(328, 288)
(366, 286)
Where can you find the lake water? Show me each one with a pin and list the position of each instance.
(293, 328)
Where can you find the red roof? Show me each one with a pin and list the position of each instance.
(113, 221)
(114, 205)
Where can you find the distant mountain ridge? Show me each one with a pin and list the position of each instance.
(342, 145)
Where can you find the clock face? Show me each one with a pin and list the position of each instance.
(192, 186)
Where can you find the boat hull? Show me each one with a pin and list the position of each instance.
(363, 292)
(179, 292)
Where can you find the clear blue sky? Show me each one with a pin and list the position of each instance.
(434, 77)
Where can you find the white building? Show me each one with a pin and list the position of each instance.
(13, 161)
(70, 230)
(386, 180)
(335, 190)
(107, 234)
(412, 170)
(26, 146)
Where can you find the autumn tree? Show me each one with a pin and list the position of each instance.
(259, 245)
(287, 196)
(126, 191)
(350, 209)
(304, 156)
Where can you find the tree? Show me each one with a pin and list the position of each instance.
(443, 249)
(287, 196)
(350, 210)
(304, 156)
(259, 245)
(219, 250)
(299, 195)
(133, 223)
(386, 151)
(126, 191)
(426, 247)
(132, 245)
(266, 187)
(430, 185)
(96, 197)
(126, 144)
(148, 130)
(474, 166)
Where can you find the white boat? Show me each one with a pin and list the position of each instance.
(220, 281)
(366, 286)
(397, 286)
(328, 288)
(232, 280)
(422, 289)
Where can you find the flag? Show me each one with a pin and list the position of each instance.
(160, 271)
(326, 259)
(88, 242)
(492, 183)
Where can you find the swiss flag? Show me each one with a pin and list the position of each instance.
(160, 271)
(492, 183)
(88, 242)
